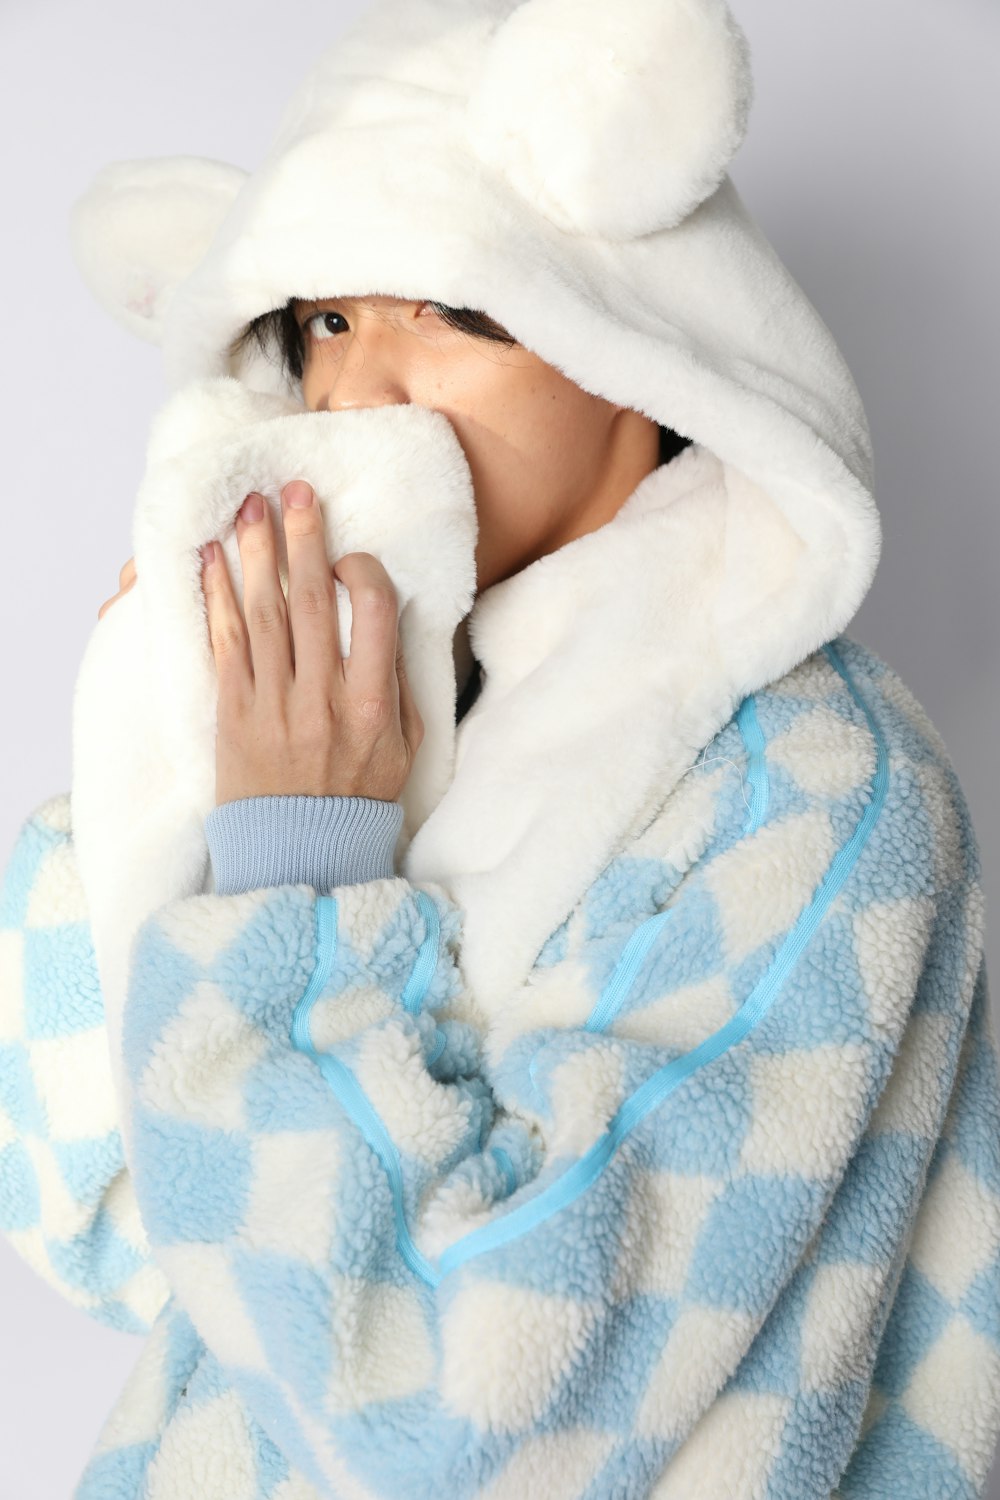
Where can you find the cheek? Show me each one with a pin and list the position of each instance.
(530, 435)
(562, 435)
(533, 418)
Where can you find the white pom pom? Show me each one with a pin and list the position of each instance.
(613, 119)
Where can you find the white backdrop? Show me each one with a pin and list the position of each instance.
(871, 164)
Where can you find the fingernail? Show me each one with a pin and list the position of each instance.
(207, 554)
(252, 508)
(298, 494)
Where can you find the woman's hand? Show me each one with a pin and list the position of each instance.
(293, 715)
(126, 578)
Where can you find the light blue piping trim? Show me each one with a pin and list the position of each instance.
(612, 998)
(584, 1172)
(326, 947)
(348, 1091)
(426, 960)
(755, 746)
(506, 1166)
(440, 1042)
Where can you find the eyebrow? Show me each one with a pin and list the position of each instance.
(305, 308)
(299, 304)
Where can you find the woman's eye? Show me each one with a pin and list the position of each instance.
(318, 326)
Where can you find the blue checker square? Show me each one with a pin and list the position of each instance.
(98, 1260)
(62, 993)
(89, 1165)
(747, 1238)
(161, 980)
(919, 1314)
(198, 1178)
(898, 1458)
(20, 1205)
(117, 1474)
(292, 1309)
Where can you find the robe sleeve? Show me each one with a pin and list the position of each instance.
(686, 1159)
(930, 1423)
(67, 1204)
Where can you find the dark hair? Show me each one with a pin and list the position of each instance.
(279, 330)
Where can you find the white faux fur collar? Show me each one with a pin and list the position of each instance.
(608, 664)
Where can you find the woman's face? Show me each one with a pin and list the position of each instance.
(549, 461)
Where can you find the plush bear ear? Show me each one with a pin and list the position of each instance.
(142, 226)
(613, 119)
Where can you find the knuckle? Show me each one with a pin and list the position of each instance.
(373, 710)
(303, 523)
(375, 598)
(255, 542)
(313, 597)
(226, 639)
(268, 615)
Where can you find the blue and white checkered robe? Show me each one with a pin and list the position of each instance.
(713, 1210)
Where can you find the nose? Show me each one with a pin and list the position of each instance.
(369, 371)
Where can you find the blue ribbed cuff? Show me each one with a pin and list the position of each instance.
(255, 842)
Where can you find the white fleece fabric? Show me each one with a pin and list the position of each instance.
(639, 1136)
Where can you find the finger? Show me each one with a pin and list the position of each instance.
(127, 574)
(312, 593)
(263, 601)
(114, 599)
(226, 630)
(370, 669)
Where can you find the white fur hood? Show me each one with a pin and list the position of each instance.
(562, 167)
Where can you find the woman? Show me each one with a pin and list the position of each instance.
(636, 1131)
(549, 462)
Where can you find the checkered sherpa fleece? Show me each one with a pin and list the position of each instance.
(712, 1212)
